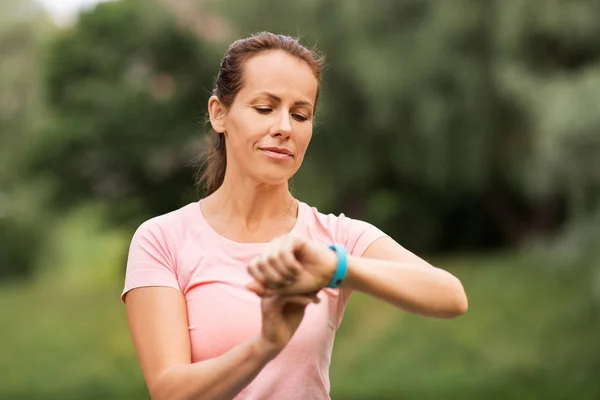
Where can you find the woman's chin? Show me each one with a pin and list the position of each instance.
(275, 178)
(273, 175)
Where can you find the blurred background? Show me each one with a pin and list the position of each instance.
(468, 130)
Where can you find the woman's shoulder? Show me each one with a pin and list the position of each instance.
(338, 223)
(355, 233)
(313, 214)
(173, 226)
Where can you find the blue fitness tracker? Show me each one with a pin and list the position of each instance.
(342, 266)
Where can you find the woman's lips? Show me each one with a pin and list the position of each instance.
(277, 153)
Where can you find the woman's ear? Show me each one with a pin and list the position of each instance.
(216, 112)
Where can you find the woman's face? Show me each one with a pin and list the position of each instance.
(269, 125)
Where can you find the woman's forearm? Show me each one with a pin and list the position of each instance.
(222, 377)
(421, 290)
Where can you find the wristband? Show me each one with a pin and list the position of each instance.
(342, 266)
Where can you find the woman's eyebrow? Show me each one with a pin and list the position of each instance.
(278, 99)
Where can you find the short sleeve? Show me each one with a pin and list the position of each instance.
(357, 235)
(149, 262)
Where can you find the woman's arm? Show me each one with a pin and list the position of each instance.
(391, 273)
(385, 270)
(159, 328)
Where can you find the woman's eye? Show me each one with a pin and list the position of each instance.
(299, 117)
(263, 110)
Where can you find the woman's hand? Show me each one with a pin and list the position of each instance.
(281, 316)
(292, 265)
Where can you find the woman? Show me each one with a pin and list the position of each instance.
(239, 295)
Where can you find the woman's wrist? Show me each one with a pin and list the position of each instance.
(338, 266)
(330, 265)
(264, 349)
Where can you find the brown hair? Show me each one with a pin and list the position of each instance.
(228, 83)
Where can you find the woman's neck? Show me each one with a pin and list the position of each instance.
(249, 204)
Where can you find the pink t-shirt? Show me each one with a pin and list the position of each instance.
(181, 250)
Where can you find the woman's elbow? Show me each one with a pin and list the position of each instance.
(158, 391)
(458, 302)
(161, 392)
(165, 387)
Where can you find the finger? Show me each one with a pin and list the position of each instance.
(287, 256)
(315, 298)
(277, 269)
(303, 301)
(266, 281)
(255, 271)
(284, 263)
(257, 288)
(292, 265)
(311, 298)
(296, 243)
(297, 299)
(273, 279)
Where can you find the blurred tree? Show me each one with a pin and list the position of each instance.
(455, 112)
(451, 125)
(410, 86)
(23, 26)
(125, 88)
(549, 63)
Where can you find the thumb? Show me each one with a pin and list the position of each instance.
(301, 300)
(257, 288)
(297, 244)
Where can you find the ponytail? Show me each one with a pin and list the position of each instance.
(214, 164)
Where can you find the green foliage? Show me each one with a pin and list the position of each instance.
(451, 103)
(23, 26)
(549, 62)
(125, 87)
(15, 237)
(436, 105)
(410, 106)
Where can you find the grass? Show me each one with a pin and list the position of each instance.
(61, 344)
(531, 333)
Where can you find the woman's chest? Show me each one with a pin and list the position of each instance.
(222, 313)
